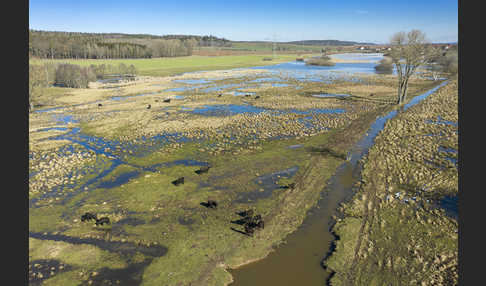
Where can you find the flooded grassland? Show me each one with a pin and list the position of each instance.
(115, 151)
(401, 226)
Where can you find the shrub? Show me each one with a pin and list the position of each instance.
(69, 75)
(320, 61)
(385, 66)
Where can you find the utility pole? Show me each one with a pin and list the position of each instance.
(274, 43)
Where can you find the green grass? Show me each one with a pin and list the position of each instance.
(177, 65)
(268, 46)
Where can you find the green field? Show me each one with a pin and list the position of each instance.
(268, 46)
(177, 65)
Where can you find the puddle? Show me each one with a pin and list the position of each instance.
(241, 93)
(120, 180)
(124, 248)
(441, 121)
(266, 79)
(267, 183)
(329, 95)
(295, 146)
(52, 128)
(280, 84)
(450, 206)
(227, 110)
(191, 81)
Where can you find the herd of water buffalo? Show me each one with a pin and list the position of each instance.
(249, 220)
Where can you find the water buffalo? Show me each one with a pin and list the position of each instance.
(202, 170)
(249, 230)
(99, 104)
(102, 221)
(178, 181)
(257, 97)
(148, 106)
(167, 100)
(247, 213)
(212, 204)
(88, 216)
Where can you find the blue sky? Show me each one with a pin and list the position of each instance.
(362, 21)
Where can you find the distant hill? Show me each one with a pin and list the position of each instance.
(329, 43)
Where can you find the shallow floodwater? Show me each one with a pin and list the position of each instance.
(328, 95)
(299, 261)
(345, 71)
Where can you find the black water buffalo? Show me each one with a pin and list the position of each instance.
(219, 95)
(249, 230)
(247, 213)
(212, 204)
(291, 186)
(167, 100)
(178, 181)
(247, 95)
(257, 97)
(99, 104)
(88, 217)
(261, 224)
(202, 170)
(102, 221)
(148, 106)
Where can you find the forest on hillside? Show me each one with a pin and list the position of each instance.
(72, 45)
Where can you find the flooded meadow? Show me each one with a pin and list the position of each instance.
(273, 139)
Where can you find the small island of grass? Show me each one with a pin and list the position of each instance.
(320, 61)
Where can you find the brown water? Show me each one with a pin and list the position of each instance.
(299, 261)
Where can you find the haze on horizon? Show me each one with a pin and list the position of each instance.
(369, 21)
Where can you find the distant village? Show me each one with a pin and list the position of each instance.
(384, 48)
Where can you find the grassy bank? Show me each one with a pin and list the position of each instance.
(392, 232)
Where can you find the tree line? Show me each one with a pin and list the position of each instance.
(69, 45)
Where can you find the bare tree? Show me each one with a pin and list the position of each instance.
(408, 52)
(36, 82)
